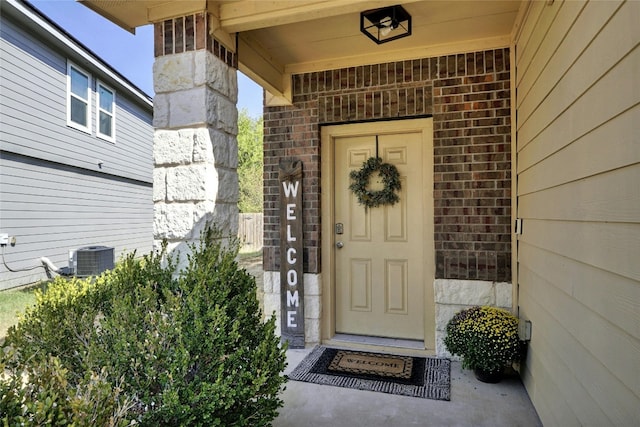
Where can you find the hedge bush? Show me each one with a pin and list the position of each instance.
(145, 344)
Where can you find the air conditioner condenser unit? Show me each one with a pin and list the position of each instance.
(93, 260)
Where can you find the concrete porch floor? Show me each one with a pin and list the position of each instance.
(472, 404)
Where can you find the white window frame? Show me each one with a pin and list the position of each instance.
(70, 94)
(112, 137)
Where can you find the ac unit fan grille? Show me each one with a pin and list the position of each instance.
(93, 260)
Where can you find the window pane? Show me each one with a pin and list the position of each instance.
(106, 98)
(78, 111)
(79, 83)
(105, 124)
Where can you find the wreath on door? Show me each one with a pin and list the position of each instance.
(390, 179)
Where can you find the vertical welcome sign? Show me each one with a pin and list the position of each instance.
(291, 269)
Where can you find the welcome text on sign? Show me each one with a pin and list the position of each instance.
(291, 256)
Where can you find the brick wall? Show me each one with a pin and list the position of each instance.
(186, 34)
(292, 132)
(467, 95)
(472, 167)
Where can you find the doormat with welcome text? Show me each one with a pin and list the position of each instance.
(429, 378)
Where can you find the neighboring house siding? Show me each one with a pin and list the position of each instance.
(33, 101)
(53, 208)
(62, 188)
(578, 122)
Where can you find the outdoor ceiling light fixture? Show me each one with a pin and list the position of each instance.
(385, 24)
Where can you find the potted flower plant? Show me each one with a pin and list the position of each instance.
(487, 340)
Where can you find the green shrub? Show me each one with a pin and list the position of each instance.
(43, 395)
(147, 344)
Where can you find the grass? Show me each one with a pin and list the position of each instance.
(14, 302)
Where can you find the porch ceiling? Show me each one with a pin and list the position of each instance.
(279, 38)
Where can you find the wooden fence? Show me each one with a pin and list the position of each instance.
(250, 231)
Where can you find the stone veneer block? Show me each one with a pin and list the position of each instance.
(211, 71)
(222, 112)
(465, 292)
(504, 295)
(203, 146)
(192, 183)
(195, 107)
(278, 329)
(190, 107)
(159, 185)
(172, 221)
(445, 312)
(173, 72)
(312, 284)
(311, 331)
(225, 150)
(312, 307)
(160, 111)
(180, 250)
(172, 147)
(194, 217)
(271, 304)
(202, 212)
(228, 185)
(223, 215)
(226, 214)
(271, 282)
(198, 106)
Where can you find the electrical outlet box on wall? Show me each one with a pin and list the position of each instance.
(524, 330)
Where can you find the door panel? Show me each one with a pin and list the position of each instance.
(359, 283)
(396, 287)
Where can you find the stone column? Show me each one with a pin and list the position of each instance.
(195, 146)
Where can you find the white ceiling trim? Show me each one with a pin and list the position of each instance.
(402, 55)
(252, 15)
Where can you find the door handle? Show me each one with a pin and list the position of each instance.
(339, 245)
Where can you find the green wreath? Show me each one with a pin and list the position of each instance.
(390, 178)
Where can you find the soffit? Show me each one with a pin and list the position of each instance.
(130, 14)
(277, 38)
(319, 43)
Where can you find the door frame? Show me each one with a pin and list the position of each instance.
(328, 134)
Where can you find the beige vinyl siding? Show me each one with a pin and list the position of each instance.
(578, 193)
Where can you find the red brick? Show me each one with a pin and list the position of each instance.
(158, 39)
(201, 35)
(189, 33)
(168, 37)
